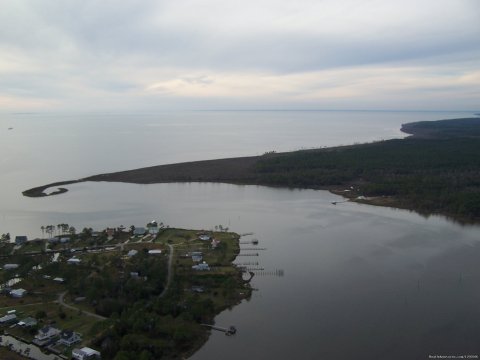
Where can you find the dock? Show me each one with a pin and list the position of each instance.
(231, 330)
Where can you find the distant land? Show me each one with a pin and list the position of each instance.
(436, 170)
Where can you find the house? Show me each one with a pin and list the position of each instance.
(74, 261)
(110, 232)
(27, 322)
(204, 237)
(139, 231)
(20, 240)
(197, 258)
(53, 240)
(59, 280)
(152, 227)
(64, 240)
(9, 318)
(18, 293)
(10, 266)
(201, 267)
(45, 335)
(132, 252)
(85, 353)
(154, 252)
(69, 338)
(134, 274)
(215, 243)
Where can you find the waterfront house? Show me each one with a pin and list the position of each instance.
(110, 232)
(64, 240)
(7, 319)
(215, 243)
(53, 240)
(132, 252)
(197, 258)
(27, 322)
(69, 338)
(20, 240)
(18, 293)
(45, 335)
(153, 227)
(204, 237)
(74, 261)
(85, 353)
(201, 267)
(10, 266)
(139, 231)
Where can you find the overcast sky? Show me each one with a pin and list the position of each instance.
(248, 54)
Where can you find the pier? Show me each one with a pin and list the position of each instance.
(231, 330)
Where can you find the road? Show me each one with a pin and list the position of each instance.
(62, 303)
(169, 271)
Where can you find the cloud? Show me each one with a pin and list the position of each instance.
(91, 53)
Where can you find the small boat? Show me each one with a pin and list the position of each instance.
(255, 241)
(10, 128)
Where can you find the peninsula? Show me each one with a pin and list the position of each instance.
(436, 170)
(128, 293)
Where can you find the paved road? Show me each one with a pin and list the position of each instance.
(169, 271)
(62, 302)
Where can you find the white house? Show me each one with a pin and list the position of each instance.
(139, 231)
(197, 258)
(215, 243)
(27, 322)
(8, 318)
(204, 237)
(85, 353)
(18, 293)
(10, 266)
(74, 261)
(154, 252)
(132, 252)
(45, 335)
(68, 338)
(201, 267)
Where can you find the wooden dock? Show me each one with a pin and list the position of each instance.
(231, 330)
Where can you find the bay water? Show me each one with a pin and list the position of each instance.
(358, 281)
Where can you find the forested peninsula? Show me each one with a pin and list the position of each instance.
(435, 170)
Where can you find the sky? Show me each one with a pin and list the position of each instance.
(231, 54)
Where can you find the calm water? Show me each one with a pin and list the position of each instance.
(360, 281)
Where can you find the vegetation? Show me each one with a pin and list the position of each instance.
(141, 319)
(428, 175)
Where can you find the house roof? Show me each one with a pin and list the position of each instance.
(8, 317)
(139, 231)
(67, 334)
(89, 352)
(29, 321)
(19, 292)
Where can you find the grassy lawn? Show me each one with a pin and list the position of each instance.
(6, 354)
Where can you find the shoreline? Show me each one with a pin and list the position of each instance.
(264, 170)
